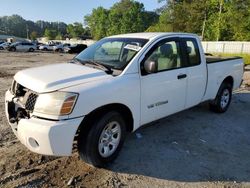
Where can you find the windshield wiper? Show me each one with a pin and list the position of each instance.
(77, 61)
(97, 64)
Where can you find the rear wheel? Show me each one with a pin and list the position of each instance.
(223, 99)
(12, 49)
(104, 140)
(31, 50)
(60, 50)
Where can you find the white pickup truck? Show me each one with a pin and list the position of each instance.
(113, 87)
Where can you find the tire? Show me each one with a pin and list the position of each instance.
(13, 49)
(104, 140)
(60, 50)
(45, 49)
(223, 99)
(1, 48)
(31, 50)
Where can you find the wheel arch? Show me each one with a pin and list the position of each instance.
(85, 125)
(229, 80)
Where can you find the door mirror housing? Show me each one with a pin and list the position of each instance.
(150, 67)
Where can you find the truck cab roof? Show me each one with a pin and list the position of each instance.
(151, 35)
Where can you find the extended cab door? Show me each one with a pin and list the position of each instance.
(196, 71)
(163, 92)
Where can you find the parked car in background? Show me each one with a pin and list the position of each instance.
(60, 47)
(22, 46)
(4, 45)
(77, 48)
(47, 47)
(38, 44)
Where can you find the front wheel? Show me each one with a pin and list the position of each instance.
(104, 140)
(31, 50)
(12, 49)
(223, 99)
(60, 50)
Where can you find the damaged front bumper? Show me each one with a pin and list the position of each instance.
(43, 136)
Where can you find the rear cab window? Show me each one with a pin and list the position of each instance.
(192, 52)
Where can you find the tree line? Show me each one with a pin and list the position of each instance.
(213, 20)
(17, 26)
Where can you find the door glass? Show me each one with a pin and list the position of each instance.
(193, 53)
(166, 55)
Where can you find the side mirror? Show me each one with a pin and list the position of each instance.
(150, 67)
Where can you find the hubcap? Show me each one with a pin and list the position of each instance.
(109, 139)
(225, 98)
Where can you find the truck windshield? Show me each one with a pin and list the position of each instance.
(115, 53)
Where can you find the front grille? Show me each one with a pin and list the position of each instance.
(29, 97)
(30, 103)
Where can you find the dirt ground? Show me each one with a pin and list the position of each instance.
(194, 148)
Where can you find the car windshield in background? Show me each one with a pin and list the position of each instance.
(115, 53)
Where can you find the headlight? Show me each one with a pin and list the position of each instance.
(57, 103)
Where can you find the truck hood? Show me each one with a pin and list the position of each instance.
(54, 77)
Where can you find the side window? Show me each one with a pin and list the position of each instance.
(193, 53)
(166, 55)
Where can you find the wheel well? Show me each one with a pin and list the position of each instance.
(229, 80)
(95, 114)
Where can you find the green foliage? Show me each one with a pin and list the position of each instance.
(59, 36)
(98, 22)
(126, 16)
(212, 19)
(50, 34)
(76, 30)
(33, 35)
(17, 26)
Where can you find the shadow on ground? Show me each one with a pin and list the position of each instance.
(191, 146)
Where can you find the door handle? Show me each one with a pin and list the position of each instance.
(181, 76)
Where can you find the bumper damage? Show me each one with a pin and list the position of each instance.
(47, 137)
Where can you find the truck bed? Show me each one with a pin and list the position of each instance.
(217, 59)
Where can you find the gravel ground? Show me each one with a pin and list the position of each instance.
(194, 148)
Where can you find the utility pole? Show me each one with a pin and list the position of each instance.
(219, 20)
(204, 26)
(27, 31)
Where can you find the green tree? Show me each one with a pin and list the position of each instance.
(75, 30)
(126, 16)
(50, 34)
(59, 36)
(212, 19)
(98, 22)
(33, 35)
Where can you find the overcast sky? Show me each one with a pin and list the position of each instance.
(68, 11)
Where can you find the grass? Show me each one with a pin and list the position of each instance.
(246, 57)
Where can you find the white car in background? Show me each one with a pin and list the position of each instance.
(47, 47)
(4, 45)
(22, 46)
(60, 47)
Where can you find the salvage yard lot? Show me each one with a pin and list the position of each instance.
(194, 148)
